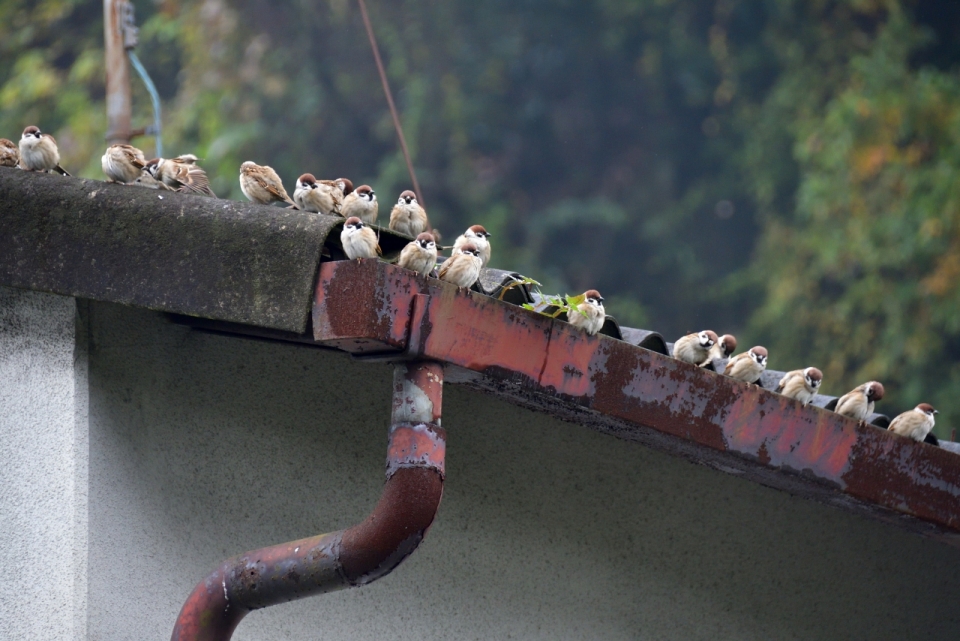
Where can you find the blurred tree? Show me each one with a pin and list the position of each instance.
(780, 169)
(860, 275)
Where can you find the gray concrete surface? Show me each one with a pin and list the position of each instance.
(43, 449)
(202, 446)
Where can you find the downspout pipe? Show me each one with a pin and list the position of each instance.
(348, 558)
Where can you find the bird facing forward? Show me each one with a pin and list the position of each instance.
(181, 174)
(748, 366)
(589, 315)
(38, 152)
(858, 403)
(915, 423)
(358, 240)
(261, 184)
(725, 347)
(462, 269)
(801, 384)
(318, 196)
(420, 255)
(694, 348)
(480, 239)
(122, 163)
(9, 153)
(408, 217)
(361, 203)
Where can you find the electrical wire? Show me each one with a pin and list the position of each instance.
(393, 107)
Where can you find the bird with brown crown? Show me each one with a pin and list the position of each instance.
(915, 423)
(694, 348)
(590, 314)
(318, 196)
(859, 403)
(462, 269)
(480, 238)
(408, 217)
(361, 203)
(801, 384)
(38, 152)
(420, 255)
(748, 366)
(358, 240)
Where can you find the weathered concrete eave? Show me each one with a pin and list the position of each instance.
(243, 268)
(171, 252)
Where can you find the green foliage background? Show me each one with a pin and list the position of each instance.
(785, 170)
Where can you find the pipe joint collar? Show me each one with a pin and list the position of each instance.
(420, 445)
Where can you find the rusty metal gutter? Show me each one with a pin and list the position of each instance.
(379, 311)
(347, 558)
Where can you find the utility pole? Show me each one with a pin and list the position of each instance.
(118, 72)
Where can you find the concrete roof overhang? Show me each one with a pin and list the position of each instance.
(269, 272)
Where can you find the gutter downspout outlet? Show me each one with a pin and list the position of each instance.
(347, 558)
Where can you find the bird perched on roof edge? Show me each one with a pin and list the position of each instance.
(801, 384)
(261, 184)
(358, 240)
(858, 403)
(9, 153)
(420, 255)
(694, 348)
(362, 203)
(915, 423)
(479, 236)
(726, 345)
(181, 174)
(38, 152)
(122, 163)
(590, 314)
(462, 269)
(748, 366)
(408, 217)
(318, 196)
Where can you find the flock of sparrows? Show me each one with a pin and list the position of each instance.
(471, 252)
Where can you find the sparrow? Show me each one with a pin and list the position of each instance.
(319, 196)
(358, 240)
(726, 345)
(478, 236)
(419, 255)
(916, 423)
(9, 153)
(38, 152)
(122, 163)
(801, 384)
(261, 184)
(748, 366)
(181, 174)
(694, 348)
(858, 404)
(344, 185)
(361, 203)
(590, 313)
(462, 269)
(145, 179)
(408, 217)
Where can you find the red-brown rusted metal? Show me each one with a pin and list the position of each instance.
(638, 394)
(351, 557)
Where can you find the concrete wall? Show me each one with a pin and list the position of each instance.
(43, 475)
(202, 446)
